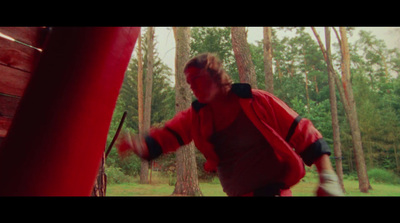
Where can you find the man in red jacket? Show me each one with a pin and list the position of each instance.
(256, 143)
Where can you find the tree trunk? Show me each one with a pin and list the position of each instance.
(140, 84)
(278, 67)
(144, 171)
(140, 102)
(306, 81)
(335, 121)
(241, 49)
(350, 158)
(345, 64)
(396, 157)
(370, 154)
(290, 68)
(186, 168)
(355, 130)
(269, 78)
(385, 66)
(100, 185)
(316, 84)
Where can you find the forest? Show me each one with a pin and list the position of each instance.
(301, 70)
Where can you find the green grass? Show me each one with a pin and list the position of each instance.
(135, 189)
(306, 187)
(351, 187)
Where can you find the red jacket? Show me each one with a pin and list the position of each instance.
(294, 139)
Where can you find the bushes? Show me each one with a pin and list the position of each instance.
(377, 175)
(383, 176)
(116, 176)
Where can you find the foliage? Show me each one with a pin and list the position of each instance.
(215, 40)
(383, 176)
(319, 114)
(116, 176)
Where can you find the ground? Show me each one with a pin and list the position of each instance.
(306, 187)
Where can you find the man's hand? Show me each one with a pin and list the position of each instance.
(329, 184)
(132, 143)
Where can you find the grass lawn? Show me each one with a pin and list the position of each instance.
(306, 187)
(351, 187)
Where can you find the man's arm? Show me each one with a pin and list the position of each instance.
(175, 133)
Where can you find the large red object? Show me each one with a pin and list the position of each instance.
(58, 135)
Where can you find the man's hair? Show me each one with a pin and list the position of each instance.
(213, 66)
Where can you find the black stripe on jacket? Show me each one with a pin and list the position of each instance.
(313, 151)
(177, 136)
(293, 128)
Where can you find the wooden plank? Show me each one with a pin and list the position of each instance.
(18, 56)
(8, 105)
(34, 36)
(16, 63)
(13, 81)
(5, 124)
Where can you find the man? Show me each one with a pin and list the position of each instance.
(256, 143)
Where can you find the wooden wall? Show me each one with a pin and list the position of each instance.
(17, 62)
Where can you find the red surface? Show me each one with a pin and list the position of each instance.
(55, 143)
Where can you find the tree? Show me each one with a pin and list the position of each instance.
(140, 85)
(335, 121)
(144, 165)
(144, 173)
(241, 50)
(375, 69)
(269, 78)
(353, 119)
(374, 52)
(287, 84)
(346, 96)
(215, 40)
(186, 167)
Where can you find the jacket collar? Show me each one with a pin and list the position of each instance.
(242, 90)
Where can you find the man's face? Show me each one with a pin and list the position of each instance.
(202, 85)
